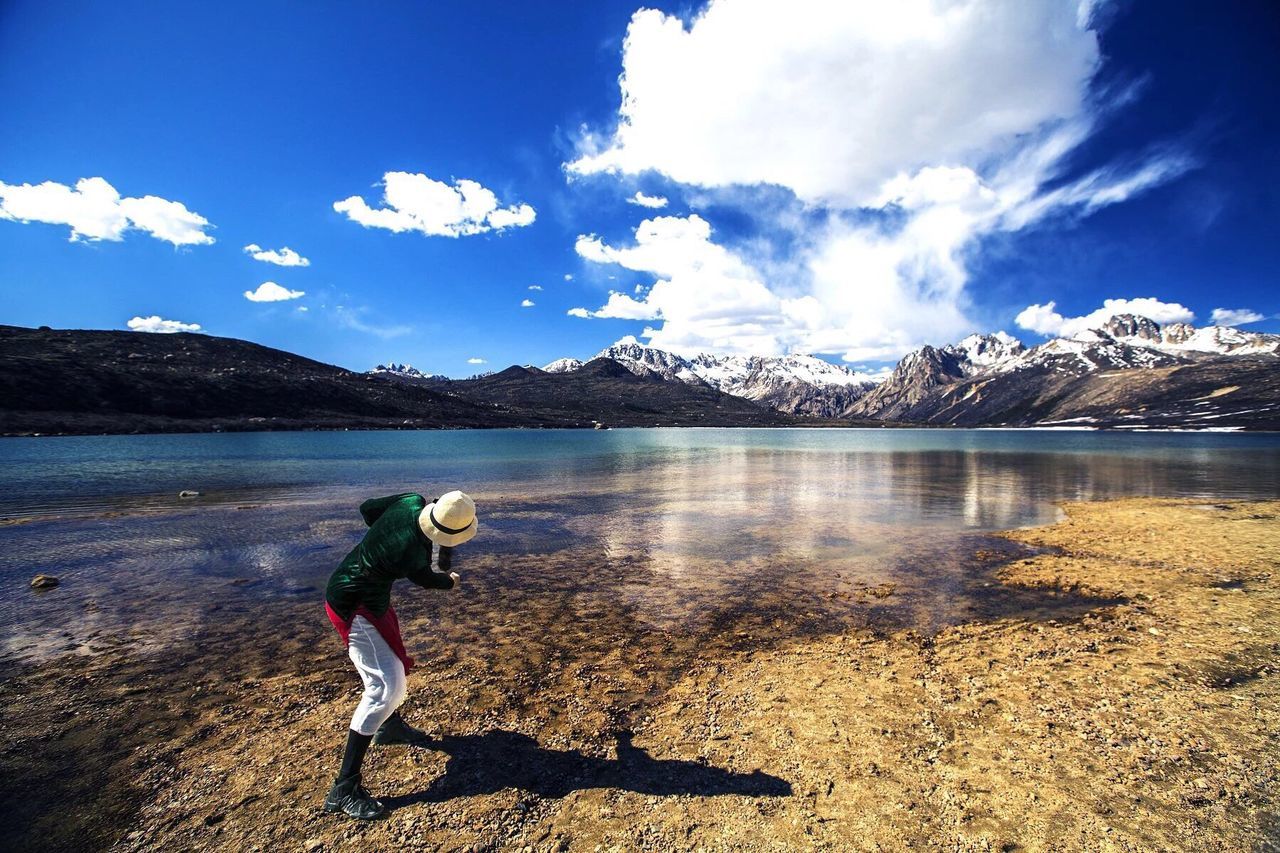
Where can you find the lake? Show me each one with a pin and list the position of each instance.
(693, 533)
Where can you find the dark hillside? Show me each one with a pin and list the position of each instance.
(71, 381)
(74, 381)
(605, 391)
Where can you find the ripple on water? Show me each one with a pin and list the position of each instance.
(684, 532)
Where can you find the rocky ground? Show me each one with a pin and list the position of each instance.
(1146, 720)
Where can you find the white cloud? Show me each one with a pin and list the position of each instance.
(535, 287)
(414, 202)
(285, 257)
(1046, 320)
(95, 211)
(568, 276)
(269, 291)
(508, 217)
(156, 324)
(829, 98)
(1234, 316)
(860, 293)
(477, 361)
(622, 307)
(907, 132)
(654, 201)
(526, 303)
(706, 296)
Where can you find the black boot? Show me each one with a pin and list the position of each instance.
(396, 732)
(348, 797)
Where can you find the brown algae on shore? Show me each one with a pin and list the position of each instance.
(1128, 702)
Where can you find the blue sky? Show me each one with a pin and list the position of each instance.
(838, 178)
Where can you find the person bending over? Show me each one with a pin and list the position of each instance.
(402, 531)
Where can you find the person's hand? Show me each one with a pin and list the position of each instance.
(455, 576)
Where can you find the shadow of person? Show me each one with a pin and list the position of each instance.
(498, 759)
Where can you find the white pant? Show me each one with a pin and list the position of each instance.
(382, 673)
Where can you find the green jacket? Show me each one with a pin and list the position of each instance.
(395, 547)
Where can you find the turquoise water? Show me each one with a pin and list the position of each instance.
(39, 476)
(621, 531)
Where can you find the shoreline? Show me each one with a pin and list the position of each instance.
(590, 426)
(1131, 706)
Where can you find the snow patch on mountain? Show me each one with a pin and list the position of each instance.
(804, 384)
(563, 365)
(800, 384)
(405, 370)
(981, 353)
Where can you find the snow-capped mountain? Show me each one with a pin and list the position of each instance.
(563, 365)
(404, 371)
(645, 360)
(1182, 337)
(1110, 372)
(919, 373)
(997, 351)
(797, 384)
(1127, 341)
(1130, 372)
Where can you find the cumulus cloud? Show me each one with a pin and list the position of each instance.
(1046, 320)
(535, 287)
(706, 296)
(526, 303)
(902, 133)
(269, 291)
(1234, 316)
(95, 211)
(654, 201)
(477, 361)
(155, 324)
(829, 98)
(414, 202)
(285, 257)
(622, 307)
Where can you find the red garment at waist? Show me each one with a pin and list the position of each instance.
(387, 625)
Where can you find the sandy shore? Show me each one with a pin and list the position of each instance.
(1144, 718)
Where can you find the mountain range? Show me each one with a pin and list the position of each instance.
(87, 381)
(1130, 372)
(607, 392)
(69, 381)
(794, 384)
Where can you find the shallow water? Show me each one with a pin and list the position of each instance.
(688, 532)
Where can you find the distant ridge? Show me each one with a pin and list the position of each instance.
(85, 381)
(607, 391)
(404, 371)
(794, 384)
(1129, 373)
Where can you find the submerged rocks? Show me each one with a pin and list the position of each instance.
(44, 582)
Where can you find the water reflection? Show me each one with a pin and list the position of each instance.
(684, 531)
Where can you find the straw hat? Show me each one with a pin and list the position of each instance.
(450, 520)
